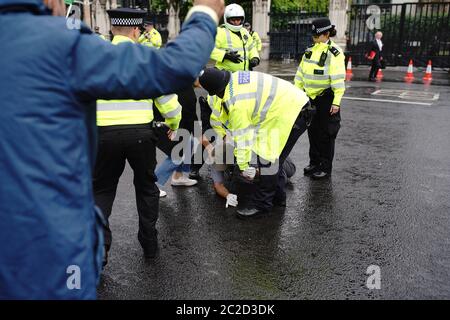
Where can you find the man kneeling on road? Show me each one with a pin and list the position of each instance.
(266, 116)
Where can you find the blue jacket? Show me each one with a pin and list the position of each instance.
(50, 78)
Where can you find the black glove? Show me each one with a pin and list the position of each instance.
(254, 62)
(233, 56)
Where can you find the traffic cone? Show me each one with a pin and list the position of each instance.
(379, 74)
(427, 76)
(409, 74)
(349, 72)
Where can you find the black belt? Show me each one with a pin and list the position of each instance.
(125, 127)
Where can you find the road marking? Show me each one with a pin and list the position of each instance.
(385, 100)
(407, 94)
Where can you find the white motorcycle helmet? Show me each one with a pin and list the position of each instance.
(234, 11)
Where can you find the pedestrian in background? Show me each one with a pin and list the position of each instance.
(321, 74)
(375, 54)
(51, 243)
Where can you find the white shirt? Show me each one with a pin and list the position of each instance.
(380, 44)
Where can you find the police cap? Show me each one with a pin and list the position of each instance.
(321, 25)
(126, 17)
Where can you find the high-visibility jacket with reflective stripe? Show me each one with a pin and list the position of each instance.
(218, 120)
(314, 79)
(154, 41)
(256, 40)
(227, 40)
(259, 110)
(123, 112)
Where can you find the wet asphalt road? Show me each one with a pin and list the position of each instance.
(387, 204)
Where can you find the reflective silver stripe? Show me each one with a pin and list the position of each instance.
(211, 102)
(173, 113)
(270, 98)
(298, 78)
(299, 70)
(338, 85)
(165, 99)
(250, 47)
(239, 97)
(122, 106)
(259, 92)
(337, 76)
(244, 131)
(316, 77)
(311, 61)
(216, 112)
(317, 85)
(215, 123)
(229, 42)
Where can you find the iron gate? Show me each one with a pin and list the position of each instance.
(290, 33)
(417, 31)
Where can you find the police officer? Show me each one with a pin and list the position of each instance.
(151, 37)
(263, 114)
(234, 45)
(321, 75)
(125, 133)
(235, 50)
(256, 38)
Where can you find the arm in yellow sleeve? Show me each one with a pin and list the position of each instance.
(170, 109)
(298, 80)
(337, 77)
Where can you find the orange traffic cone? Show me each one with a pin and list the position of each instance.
(379, 74)
(349, 72)
(409, 74)
(427, 76)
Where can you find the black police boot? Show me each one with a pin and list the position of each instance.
(194, 174)
(309, 170)
(319, 175)
(249, 213)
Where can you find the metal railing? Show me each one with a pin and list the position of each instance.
(417, 31)
(290, 33)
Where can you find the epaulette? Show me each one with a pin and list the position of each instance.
(335, 51)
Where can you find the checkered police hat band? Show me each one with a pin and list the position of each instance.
(126, 21)
(320, 30)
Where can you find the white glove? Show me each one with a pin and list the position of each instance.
(231, 200)
(250, 173)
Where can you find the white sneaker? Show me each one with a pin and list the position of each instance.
(183, 181)
(162, 193)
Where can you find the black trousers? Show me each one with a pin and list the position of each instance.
(322, 132)
(205, 114)
(376, 65)
(135, 143)
(270, 188)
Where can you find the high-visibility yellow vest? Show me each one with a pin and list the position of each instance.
(123, 112)
(227, 40)
(256, 40)
(154, 41)
(314, 75)
(259, 110)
